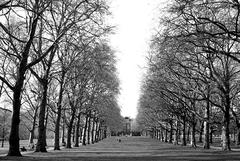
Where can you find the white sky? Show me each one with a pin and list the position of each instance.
(135, 21)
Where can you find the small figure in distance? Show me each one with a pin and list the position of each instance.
(23, 148)
(119, 140)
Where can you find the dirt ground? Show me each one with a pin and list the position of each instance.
(129, 149)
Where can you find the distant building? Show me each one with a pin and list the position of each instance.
(127, 125)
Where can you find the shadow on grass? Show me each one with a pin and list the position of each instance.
(182, 156)
(115, 158)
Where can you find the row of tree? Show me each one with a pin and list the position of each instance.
(57, 70)
(194, 73)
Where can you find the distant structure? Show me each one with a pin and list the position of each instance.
(127, 125)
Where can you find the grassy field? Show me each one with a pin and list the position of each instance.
(24, 143)
(129, 149)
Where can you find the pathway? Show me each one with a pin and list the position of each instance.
(129, 149)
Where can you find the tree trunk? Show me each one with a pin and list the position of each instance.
(97, 131)
(211, 135)
(206, 144)
(80, 134)
(57, 129)
(69, 133)
(70, 127)
(193, 138)
(166, 135)
(59, 114)
(85, 131)
(63, 129)
(201, 132)
(31, 136)
(100, 135)
(89, 129)
(159, 135)
(188, 133)
(41, 143)
(171, 132)
(175, 142)
(45, 129)
(225, 128)
(179, 131)
(77, 130)
(184, 143)
(162, 135)
(193, 132)
(105, 132)
(14, 131)
(156, 133)
(93, 130)
(4, 128)
(152, 133)
(73, 133)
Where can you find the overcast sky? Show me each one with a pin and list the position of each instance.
(135, 21)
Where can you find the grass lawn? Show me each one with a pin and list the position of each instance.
(24, 143)
(129, 149)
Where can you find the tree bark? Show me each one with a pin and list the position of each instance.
(175, 142)
(70, 127)
(59, 114)
(77, 130)
(193, 138)
(193, 132)
(31, 136)
(201, 132)
(166, 135)
(85, 131)
(162, 135)
(3, 128)
(45, 129)
(184, 143)
(93, 130)
(41, 146)
(171, 132)
(89, 129)
(179, 131)
(100, 135)
(73, 133)
(225, 128)
(14, 131)
(63, 129)
(154, 133)
(105, 133)
(80, 134)
(211, 135)
(188, 132)
(206, 144)
(97, 131)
